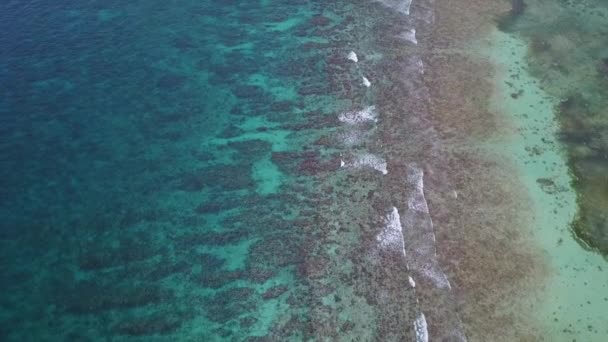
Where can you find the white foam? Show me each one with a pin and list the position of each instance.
(410, 36)
(352, 137)
(392, 235)
(401, 6)
(370, 160)
(366, 160)
(366, 82)
(421, 329)
(420, 66)
(418, 218)
(406, 6)
(353, 56)
(412, 282)
(356, 117)
(417, 201)
(434, 273)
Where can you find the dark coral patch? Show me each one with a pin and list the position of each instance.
(506, 21)
(166, 269)
(147, 326)
(92, 297)
(251, 149)
(282, 106)
(128, 251)
(216, 280)
(247, 322)
(183, 43)
(602, 68)
(275, 251)
(231, 131)
(312, 165)
(274, 292)
(211, 239)
(319, 20)
(228, 304)
(227, 177)
(258, 275)
(305, 163)
(248, 91)
(171, 82)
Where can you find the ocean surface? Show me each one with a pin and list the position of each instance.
(285, 170)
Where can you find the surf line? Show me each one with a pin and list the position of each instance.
(352, 56)
(391, 237)
(421, 236)
(419, 218)
(401, 6)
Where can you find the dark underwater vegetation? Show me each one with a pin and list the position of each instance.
(567, 52)
(162, 171)
(224, 170)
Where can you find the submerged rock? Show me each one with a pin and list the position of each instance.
(274, 292)
(92, 297)
(507, 20)
(603, 68)
(146, 326)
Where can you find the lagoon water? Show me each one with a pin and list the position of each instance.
(289, 170)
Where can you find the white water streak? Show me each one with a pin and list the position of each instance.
(366, 82)
(373, 161)
(420, 220)
(410, 36)
(353, 56)
(401, 6)
(367, 160)
(417, 201)
(392, 235)
(421, 329)
(357, 117)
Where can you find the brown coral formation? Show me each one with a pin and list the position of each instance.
(482, 223)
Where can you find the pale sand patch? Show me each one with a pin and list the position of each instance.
(484, 234)
(573, 303)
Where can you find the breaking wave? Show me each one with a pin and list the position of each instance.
(368, 114)
(421, 329)
(410, 36)
(392, 235)
(366, 160)
(423, 262)
(401, 6)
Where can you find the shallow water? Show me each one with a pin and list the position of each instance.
(269, 171)
(567, 53)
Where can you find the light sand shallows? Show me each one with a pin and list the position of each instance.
(498, 190)
(574, 302)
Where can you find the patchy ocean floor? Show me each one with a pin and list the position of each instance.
(283, 171)
(567, 54)
(574, 300)
(189, 171)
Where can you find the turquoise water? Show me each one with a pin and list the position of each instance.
(170, 173)
(568, 54)
(289, 170)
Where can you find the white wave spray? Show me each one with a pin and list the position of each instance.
(368, 114)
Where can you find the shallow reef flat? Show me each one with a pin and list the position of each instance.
(573, 300)
(499, 160)
(567, 53)
(290, 170)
